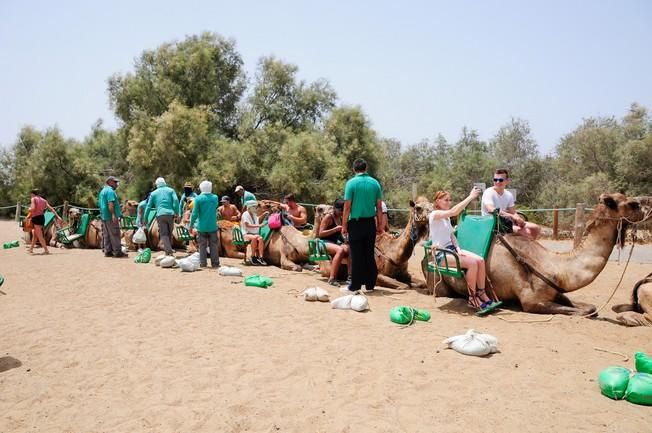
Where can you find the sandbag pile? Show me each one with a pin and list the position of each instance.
(315, 294)
(189, 264)
(351, 302)
(621, 383)
(473, 343)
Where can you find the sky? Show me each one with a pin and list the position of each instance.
(416, 68)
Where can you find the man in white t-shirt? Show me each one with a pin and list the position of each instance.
(497, 197)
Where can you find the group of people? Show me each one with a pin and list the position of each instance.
(348, 231)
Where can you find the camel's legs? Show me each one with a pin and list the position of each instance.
(289, 265)
(389, 282)
(631, 318)
(549, 307)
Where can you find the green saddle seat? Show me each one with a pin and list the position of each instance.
(317, 250)
(66, 237)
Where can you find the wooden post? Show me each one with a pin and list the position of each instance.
(555, 224)
(65, 213)
(18, 212)
(579, 223)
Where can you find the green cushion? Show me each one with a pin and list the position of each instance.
(49, 217)
(475, 233)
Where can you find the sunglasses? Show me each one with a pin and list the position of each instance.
(499, 179)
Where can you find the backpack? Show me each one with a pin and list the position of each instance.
(274, 221)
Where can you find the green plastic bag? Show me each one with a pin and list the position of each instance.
(12, 244)
(613, 382)
(404, 315)
(643, 363)
(144, 257)
(639, 390)
(258, 281)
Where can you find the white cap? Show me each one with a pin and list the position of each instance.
(159, 182)
(239, 188)
(206, 186)
(251, 203)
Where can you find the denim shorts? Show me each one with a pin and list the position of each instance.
(440, 254)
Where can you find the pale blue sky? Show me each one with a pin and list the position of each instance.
(417, 68)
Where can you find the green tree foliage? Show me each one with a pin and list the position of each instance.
(280, 100)
(204, 70)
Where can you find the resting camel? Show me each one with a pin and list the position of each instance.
(393, 253)
(639, 312)
(570, 271)
(93, 238)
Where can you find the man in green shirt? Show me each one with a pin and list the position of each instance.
(204, 211)
(362, 205)
(110, 214)
(244, 197)
(166, 202)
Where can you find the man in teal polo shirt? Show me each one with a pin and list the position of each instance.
(166, 202)
(362, 205)
(110, 214)
(204, 211)
(244, 197)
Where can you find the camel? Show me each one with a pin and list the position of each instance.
(393, 253)
(639, 312)
(570, 271)
(93, 237)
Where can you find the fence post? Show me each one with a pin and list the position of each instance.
(555, 224)
(18, 212)
(65, 212)
(579, 223)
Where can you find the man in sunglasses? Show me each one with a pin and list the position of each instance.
(497, 197)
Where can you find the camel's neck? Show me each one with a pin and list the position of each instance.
(587, 260)
(406, 244)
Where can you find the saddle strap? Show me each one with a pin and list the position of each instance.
(527, 266)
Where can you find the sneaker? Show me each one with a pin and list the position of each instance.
(348, 279)
(105, 254)
(262, 261)
(254, 260)
(346, 290)
(120, 255)
(333, 282)
(369, 290)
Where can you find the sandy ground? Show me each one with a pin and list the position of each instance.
(106, 345)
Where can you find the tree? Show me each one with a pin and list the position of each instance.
(203, 70)
(279, 99)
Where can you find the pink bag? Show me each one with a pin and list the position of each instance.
(274, 222)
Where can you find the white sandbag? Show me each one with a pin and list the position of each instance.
(342, 303)
(139, 237)
(168, 262)
(230, 271)
(157, 260)
(194, 259)
(315, 294)
(359, 303)
(473, 343)
(186, 265)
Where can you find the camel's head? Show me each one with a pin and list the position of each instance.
(617, 207)
(420, 209)
(73, 216)
(320, 212)
(265, 207)
(129, 207)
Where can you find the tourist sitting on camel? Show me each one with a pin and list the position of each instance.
(497, 197)
(296, 214)
(330, 231)
(442, 237)
(251, 232)
(228, 211)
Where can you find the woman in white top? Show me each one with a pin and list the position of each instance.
(251, 228)
(441, 234)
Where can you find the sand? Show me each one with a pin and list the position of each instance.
(91, 344)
